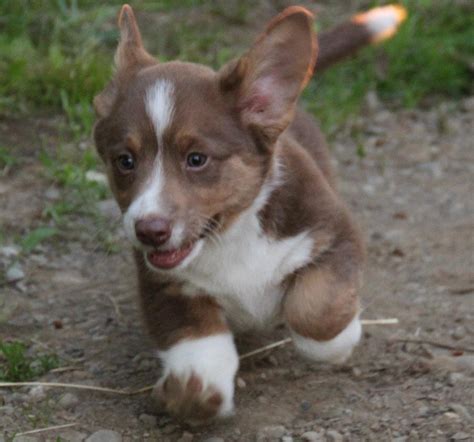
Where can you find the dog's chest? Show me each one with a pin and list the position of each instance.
(244, 270)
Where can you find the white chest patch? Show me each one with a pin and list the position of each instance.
(245, 269)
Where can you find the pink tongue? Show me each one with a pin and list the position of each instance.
(169, 258)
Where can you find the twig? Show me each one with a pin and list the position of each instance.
(41, 430)
(267, 347)
(388, 321)
(116, 306)
(75, 386)
(436, 344)
(63, 369)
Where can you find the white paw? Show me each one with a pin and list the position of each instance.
(198, 378)
(336, 350)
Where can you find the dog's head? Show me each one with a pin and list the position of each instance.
(186, 148)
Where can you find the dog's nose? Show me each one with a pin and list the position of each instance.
(153, 231)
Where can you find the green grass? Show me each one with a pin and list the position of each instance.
(16, 365)
(58, 54)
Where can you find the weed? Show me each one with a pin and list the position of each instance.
(17, 366)
(36, 237)
(7, 161)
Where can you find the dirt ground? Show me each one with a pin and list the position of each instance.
(413, 195)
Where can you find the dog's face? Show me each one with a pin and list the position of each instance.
(186, 148)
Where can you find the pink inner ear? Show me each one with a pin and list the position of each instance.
(260, 96)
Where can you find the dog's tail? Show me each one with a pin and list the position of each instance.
(369, 27)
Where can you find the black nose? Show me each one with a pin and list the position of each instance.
(153, 231)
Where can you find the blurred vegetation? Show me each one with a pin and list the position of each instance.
(57, 54)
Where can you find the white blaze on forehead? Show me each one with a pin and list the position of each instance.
(159, 104)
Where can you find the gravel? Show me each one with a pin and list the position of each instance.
(14, 274)
(68, 401)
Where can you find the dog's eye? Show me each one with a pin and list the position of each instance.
(125, 162)
(196, 160)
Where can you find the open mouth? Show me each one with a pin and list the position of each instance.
(168, 259)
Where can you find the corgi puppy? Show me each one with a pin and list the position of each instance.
(230, 202)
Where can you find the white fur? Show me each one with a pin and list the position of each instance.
(148, 203)
(213, 359)
(382, 20)
(244, 269)
(337, 350)
(160, 107)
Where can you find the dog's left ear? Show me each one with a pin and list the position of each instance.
(130, 56)
(267, 80)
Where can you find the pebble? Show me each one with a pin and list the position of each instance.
(460, 436)
(334, 436)
(241, 383)
(52, 194)
(313, 436)
(271, 432)
(9, 251)
(286, 439)
(104, 436)
(37, 393)
(459, 333)
(14, 274)
(96, 177)
(148, 420)
(454, 378)
(462, 411)
(68, 400)
(465, 363)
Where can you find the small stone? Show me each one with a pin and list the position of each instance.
(9, 251)
(271, 432)
(14, 274)
(356, 372)
(459, 333)
(461, 435)
(186, 437)
(455, 378)
(147, 420)
(334, 436)
(305, 405)
(96, 177)
(37, 393)
(169, 429)
(68, 400)
(241, 383)
(52, 194)
(465, 363)
(462, 411)
(286, 439)
(104, 436)
(313, 436)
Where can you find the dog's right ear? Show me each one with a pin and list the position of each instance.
(129, 57)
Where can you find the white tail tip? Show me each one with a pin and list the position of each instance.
(382, 22)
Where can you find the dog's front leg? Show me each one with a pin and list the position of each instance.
(197, 352)
(322, 307)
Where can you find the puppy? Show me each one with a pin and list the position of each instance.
(230, 202)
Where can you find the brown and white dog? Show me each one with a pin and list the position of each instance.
(229, 199)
